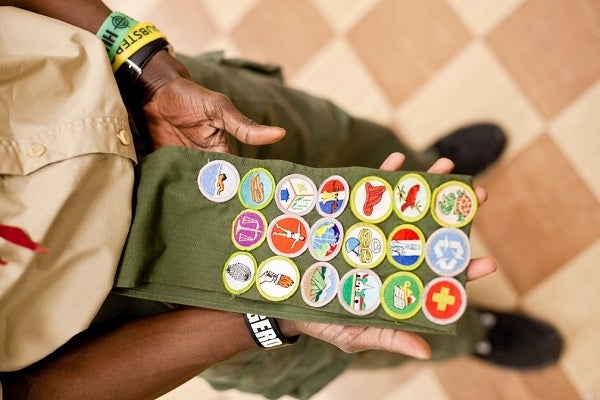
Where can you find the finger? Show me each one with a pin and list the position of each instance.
(410, 344)
(481, 194)
(393, 162)
(441, 166)
(480, 267)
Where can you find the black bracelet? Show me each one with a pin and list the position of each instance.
(130, 71)
(265, 331)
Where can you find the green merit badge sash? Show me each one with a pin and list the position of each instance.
(354, 246)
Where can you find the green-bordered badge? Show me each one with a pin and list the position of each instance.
(257, 189)
(406, 247)
(371, 199)
(248, 230)
(453, 204)
(239, 272)
(277, 278)
(364, 245)
(401, 295)
(412, 197)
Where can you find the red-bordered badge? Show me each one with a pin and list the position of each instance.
(288, 235)
(444, 300)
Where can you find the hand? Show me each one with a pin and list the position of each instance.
(353, 339)
(178, 112)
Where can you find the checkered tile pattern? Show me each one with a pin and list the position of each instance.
(426, 67)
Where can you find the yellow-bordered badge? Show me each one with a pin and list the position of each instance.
(325, 239)
(412, 197)
(364, 245)
(359, 291)
(334, 194)
(239, 272)
(406, 247)
(287, 235)
(401, 295)
(296, 194)
(453, 204)
(444, 300)
(218, 181)
(248, 230)
(257, 188)
(448, 251)
(277, 278)
(319, 284)
(371, 199)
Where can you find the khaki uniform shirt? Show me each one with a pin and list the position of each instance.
(66, 178)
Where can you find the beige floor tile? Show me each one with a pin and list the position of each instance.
(343, 14)
(424, 385)
(539, 216)
(495, 291)
(471, 87)
(187, 24)
(483, 16)
(336, 73)
(564, 297)
(551, 48)
(276, 31)
(581, 362)
(137, 9)
(228, 13)
(576, 130)
(404, 43)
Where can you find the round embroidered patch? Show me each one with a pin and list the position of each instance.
(218, 181)
(401, 295)
(448, 251)
(239, 272)
(406, 247)
(333, 196)
(257, 189)
(371, 199)
(412, 197)
(319, 284)
(364, 245)
(444, 300)
(325, 239)
(359, 291)
(453, 204)
(277, 278)
(288, 235)
(296, 194)
(248, 230)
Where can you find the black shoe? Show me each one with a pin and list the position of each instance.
(517, 341)
(472, 148)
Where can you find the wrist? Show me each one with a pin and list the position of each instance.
(266, 332)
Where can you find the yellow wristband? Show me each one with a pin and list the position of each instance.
(139, 36)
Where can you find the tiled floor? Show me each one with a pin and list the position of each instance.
(426, 67)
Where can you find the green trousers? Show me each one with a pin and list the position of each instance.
(319, 134)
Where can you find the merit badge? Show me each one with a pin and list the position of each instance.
(319, 284)
(401, 295)
(218, 181)
(364, 245)
(333, 196)
(296, 194)
(359, 291)
(412, 197)
(453, 204)
(239, 272)
(257, 189)
(277, 278)
(248, 230)
(325, 239)
(444, 300)
(371, 199)
(448, 251)
(406, 247)
(288, 235)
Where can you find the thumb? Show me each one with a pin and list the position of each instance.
(248, 131)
